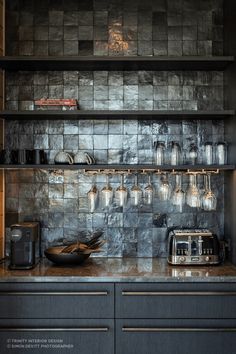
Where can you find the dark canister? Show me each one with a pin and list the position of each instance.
(38, 156)
(8, 156)
(23, 156)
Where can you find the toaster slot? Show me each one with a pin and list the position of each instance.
(182, 248)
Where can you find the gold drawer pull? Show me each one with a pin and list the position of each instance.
(164, 329)
(72, 329)
(178, 293)
(54, 293)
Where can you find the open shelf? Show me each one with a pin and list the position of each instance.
(115, 63)
(121, 167)
(94, 114)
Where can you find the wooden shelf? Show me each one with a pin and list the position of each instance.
(115, 63)
(126, 115)
(121, 167)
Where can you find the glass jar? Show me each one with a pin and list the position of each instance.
(221, 153)
(175, 153)
(208, 153)
(159, 156)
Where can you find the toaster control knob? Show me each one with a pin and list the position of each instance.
(207, 258)
(182, 259)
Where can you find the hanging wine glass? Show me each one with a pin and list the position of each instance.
(165, 188)
(178, 197)
(193, 198)
(209, 200)
(121, 193)
(136, 193)
(148, 192)
(92, 197)
(107, 194)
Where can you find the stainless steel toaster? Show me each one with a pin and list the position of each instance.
(193, 246)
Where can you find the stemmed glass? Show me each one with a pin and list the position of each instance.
(165, 188)
(209, 200)
(178, 197)
(136, 193)
(92, 197)
(121, 193)
(107, 194)
(148, 192)
(193, 198)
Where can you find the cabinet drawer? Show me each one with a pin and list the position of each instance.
(83, 336)
(77, 301)
(155, 337)
(153, 301)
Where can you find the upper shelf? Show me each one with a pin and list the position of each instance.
(126, 115)
(115, 63)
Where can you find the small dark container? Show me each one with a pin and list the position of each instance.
(38, 157)
(8, 157)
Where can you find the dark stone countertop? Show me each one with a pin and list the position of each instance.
(120, 270)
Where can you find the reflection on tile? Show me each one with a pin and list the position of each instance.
(101, 28)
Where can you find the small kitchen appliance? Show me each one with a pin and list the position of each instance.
(193, 246)
(24, 245)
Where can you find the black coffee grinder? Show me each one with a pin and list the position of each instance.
(25, 245)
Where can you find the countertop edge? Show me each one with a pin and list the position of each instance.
(106, 279)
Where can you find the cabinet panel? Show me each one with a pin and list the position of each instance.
(83, 336)
(153, 337)
(79, 301)
(155, 301)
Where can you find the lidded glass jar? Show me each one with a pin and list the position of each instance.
(221, 153)
(175, 153)
(208, 153)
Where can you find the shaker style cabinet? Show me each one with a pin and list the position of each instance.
(78, 318)
(175, 318)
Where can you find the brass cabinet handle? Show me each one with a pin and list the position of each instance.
(72, 329)
(177, 329)
(178, 293)
(54, 293)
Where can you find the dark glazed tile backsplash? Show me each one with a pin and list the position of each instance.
(103, 27)
(160, 27)
(59, 198)
(117, 90)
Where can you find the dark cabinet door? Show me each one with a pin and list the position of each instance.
(83, 337)
(176, 301)
(58, 301)
(153, 337)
